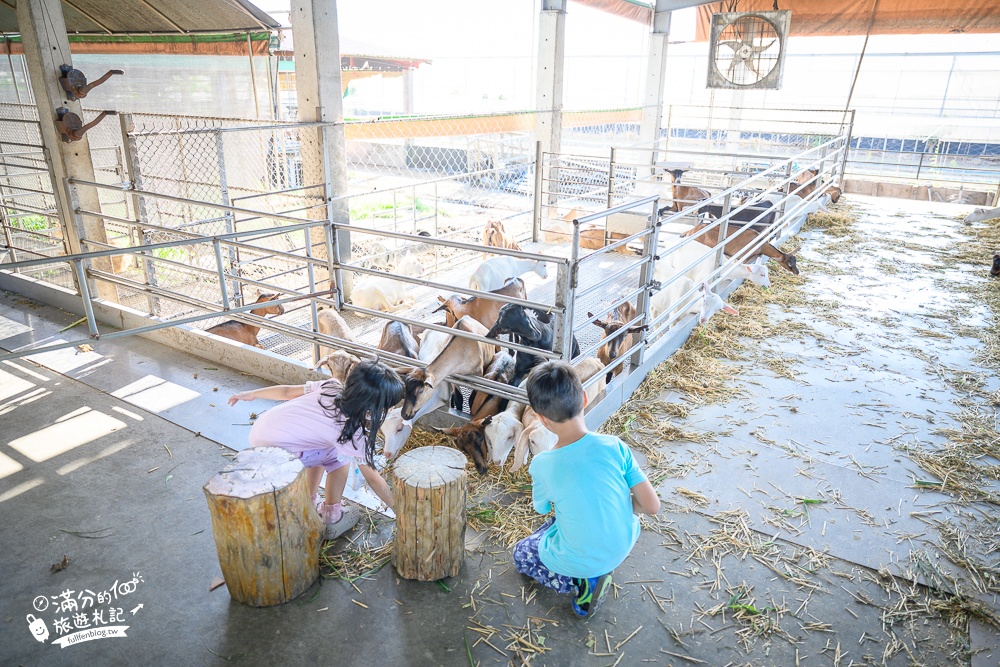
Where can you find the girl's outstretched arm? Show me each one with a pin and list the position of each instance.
(279, 392)
(377, 484)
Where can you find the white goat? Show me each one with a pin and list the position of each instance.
(494, 272)
(386, 294)
(758, 274)
(667, 298)
(395, 431)
(503, 430)
(534, 438)
(713, 303)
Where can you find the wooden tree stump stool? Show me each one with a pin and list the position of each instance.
(266, 530)
(429, 497)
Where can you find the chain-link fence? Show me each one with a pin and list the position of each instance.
(30, 221)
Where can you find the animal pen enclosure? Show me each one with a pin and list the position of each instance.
(200, 214)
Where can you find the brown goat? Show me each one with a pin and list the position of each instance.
(483, 310)
(805, 184)
(460, 356)
(495, 236)
(747, 237)
(685, 196)
(470, 438)
(340, 364)
(501, 370)
(247, 333)
(398, 338)
(611, 350)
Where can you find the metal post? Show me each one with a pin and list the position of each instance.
(847, 149)
(132, 174)
(88, 305)
(611, 182)
(720, 257)
(310, 272)
(229, 220)
(646, 273)
(253, 77)
(536, 216)
(332, 261)
(566, 283)
(221, 268)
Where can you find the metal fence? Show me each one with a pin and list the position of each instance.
(183, 275)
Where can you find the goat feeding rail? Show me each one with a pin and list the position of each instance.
(609, 239)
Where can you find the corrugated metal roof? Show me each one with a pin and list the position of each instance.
(119, 17)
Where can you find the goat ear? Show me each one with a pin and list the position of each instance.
(442, 299)
(451, 430)
(488, 420)
(443, 306)
(520, 450)
(404, 370)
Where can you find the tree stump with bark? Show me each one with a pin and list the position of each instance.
(267, 532)
(429, 497)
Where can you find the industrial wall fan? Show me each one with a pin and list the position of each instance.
(747, 49)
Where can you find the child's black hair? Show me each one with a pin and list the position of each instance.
(555, 391)
(371, 388)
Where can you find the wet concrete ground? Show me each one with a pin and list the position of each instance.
(777, 544)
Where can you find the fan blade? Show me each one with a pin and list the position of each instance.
(759, 49)
(749, 63)
(730, 43)
(732, 66)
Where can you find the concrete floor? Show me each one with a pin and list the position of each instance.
(103, 457)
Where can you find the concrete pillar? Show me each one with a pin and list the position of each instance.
(407, 92)
(46, 48)
(656, 76)
(320, 98)
(549, 83)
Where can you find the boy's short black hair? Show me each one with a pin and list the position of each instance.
(555, 391)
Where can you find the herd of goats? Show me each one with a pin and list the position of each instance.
(497, 425)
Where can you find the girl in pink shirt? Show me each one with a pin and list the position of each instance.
(326, 426)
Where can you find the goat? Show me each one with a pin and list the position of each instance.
(747, 237)
(495, 236)
(501, 369)
(471, 436)
(685, 196)
(526, 326)
(692, 259)
(502, 431)
(665, 299)
(494, 272)
(995, 271)
(758, 274)
(398, 338)
(806, 184)
(331, 323)
(534, 438)
(586, 369)
(614, 347)
(483, 310)
(713, 304)
(339, 363)
(460, 356)
(395, 431)
(386, 294)
(247, 333)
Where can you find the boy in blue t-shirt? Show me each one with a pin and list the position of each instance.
(594, 484)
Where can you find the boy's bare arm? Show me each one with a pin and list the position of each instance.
(644, 499)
